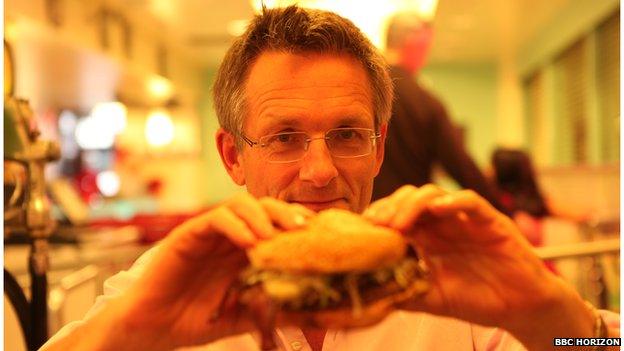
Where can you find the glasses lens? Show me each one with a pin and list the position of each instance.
(350, 142)
(284, 147)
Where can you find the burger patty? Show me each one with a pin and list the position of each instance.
(313, 292)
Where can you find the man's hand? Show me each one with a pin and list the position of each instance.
(482, 269)
(175, 301)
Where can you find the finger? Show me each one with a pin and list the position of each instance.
(466, 201)
(284, 215)
(373, 208)
(230, 225)
(413, 205)
(306, 212)
(253, 213)
(385, 210)
(201, 235)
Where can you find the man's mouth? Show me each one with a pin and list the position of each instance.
(319, 205)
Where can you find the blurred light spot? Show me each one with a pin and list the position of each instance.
(108, 183)
(159, 129)
(164, 9)
(39, 204)
(425, 8)
(159, 87)
(113, 114)
(94, 133)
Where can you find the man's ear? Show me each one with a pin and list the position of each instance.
(230, 156)
(381, 147)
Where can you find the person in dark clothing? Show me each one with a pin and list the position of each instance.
(420, 133)
(517, 182)
(518, 188)
(521, 195)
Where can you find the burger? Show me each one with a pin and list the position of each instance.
(340, 271)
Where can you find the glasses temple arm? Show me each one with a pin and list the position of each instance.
(249, 142)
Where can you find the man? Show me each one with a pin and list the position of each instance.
(297, 71)
(420, 134)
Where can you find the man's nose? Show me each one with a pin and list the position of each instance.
(317, 165)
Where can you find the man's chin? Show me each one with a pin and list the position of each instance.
(320, 206)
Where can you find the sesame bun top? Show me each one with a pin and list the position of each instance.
(334, 241)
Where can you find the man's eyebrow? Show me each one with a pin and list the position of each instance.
(272, 122)
(352, 120)
(286, 120)
(276, 122)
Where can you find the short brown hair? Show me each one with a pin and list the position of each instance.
(294, 29)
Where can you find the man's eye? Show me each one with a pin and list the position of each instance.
(284, 138)
(346, 134)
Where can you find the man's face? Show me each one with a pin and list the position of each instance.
(309, 93)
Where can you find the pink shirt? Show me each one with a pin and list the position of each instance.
(402, 330)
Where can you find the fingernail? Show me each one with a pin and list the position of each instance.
(300, 220)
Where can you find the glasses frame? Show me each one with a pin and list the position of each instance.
(252, 143)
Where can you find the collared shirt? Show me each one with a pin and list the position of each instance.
(400, 331)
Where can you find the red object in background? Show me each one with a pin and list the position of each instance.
(86, 184)
(153, 227)
(154, 186)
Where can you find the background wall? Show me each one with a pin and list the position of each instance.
(219, 186)
(469, 93)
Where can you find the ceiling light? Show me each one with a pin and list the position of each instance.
(159, 87)
(159, 129)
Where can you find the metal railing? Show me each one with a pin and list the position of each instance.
(582, 249)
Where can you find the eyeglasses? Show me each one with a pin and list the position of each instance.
(292, 146)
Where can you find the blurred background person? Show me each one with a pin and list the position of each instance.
(519, 190)
(522, 198)
(420, 133)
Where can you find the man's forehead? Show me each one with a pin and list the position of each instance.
(274, 70)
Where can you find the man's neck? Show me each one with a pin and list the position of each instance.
(315, 338)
